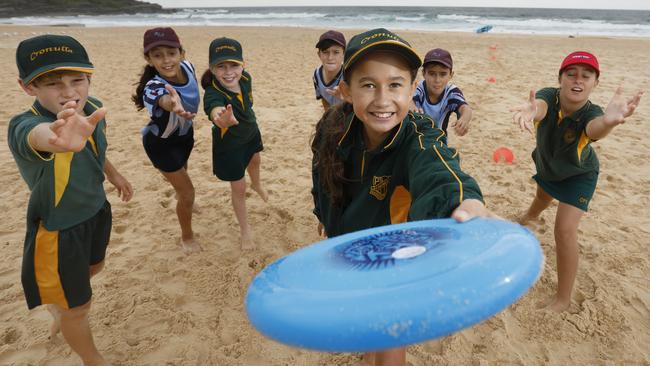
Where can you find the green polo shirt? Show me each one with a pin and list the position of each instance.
(66, 188)
(563, 147)
(242, 105)
(412, 176)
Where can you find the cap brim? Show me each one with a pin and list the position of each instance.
(85, 68)
(445, 64)
(580, 63)
(331, 40)
(162, 43)
(226, 59)
(411, 56)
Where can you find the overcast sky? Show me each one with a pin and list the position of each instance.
(579, 4)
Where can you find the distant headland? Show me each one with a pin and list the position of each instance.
(22, 8)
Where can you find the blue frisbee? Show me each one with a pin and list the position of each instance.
(394, 285)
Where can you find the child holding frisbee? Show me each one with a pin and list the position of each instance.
(376, 163)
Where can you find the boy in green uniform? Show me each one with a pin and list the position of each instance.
(566, 122)
(59, 145)
(236, 138)
(375, 163)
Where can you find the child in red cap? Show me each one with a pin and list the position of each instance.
(566, 122)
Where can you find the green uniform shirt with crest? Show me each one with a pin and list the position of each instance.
(412, 176)
(242, 105)
(66, 188)
(563, 147)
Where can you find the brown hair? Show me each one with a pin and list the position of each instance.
(329, 131)
(330, 166)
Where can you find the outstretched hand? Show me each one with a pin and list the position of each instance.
(177, 104)
(620, 108)
(471, 208)
(71, 130)
(335, 92)
(225, 117)
(525, 113)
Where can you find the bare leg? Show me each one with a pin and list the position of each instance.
(368, 359)
(55, 328)
(391, 357)
(567, 220)
(76, 331)
(540, 203)
(238, 196)
(185, 196)
(254, 172)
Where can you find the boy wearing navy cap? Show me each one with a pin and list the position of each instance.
(329, 74)
(59, 145)
(437, 98)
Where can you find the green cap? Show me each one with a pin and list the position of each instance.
(225, 49)
(43, 54)
(376, 40)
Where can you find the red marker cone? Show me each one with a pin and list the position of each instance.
(503, 154)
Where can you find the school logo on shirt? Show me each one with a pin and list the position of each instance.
(569, 136)
(379, 186)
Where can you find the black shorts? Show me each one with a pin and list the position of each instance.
(169, 154)
(230, 165)
(56, 264)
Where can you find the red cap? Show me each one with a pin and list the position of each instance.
(438, 55)
(581, 57)
(163, 36)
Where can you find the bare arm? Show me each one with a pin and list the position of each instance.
(326, 105)
(123, 187)
(617, 110)
(532, 110)
(461, 126)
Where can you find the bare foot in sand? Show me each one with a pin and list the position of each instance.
(261, 191)
(558, 305)
(554, 305)
(246, 243)
(190, 246)
(55, 328)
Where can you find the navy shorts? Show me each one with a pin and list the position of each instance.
(169, 154)
(56, 264)
(230, 165)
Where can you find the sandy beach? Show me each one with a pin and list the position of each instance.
(153, 305)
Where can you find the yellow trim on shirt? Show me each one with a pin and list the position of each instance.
(460, 183)
(400, 204)
(584, 141)
(62, 162)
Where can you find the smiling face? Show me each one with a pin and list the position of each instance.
(380, 88)
(167, 62)
(436, 76)
(228, 73)
(576, 84)
(331, 58)
(55, 89)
